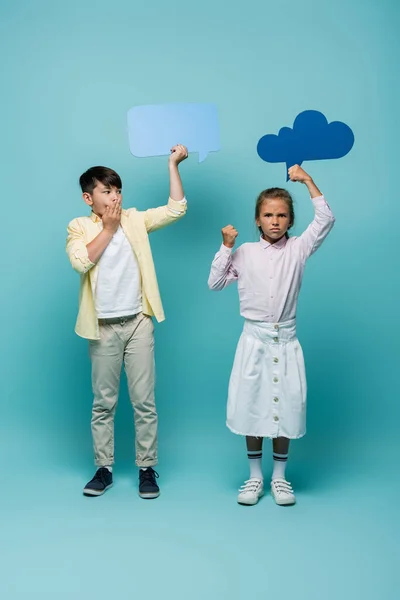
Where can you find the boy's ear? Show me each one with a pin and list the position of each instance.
(87, 198)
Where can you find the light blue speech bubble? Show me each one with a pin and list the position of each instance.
(153, 129)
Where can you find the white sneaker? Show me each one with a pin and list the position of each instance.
(251, 491)
(282, 492)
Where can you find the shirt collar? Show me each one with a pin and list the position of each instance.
(95, 218)
(278, 245)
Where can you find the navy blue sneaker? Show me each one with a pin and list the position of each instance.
(148, 487)
(102, 480)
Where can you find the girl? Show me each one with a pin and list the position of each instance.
(267, 388)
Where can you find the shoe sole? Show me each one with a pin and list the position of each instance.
(250, 503)
(89, 492)
(283, 502)
(149, 496)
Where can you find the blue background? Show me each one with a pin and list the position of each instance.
(70, 73)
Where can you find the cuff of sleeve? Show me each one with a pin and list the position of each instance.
(225, 250)
(89, 266)
(178, 206)
(85, 260)
(183, 201)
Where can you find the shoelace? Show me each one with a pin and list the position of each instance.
(148, 475)
(282, 486)
(251, 485)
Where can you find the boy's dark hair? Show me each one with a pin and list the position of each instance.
(276, 193)
(95, 175)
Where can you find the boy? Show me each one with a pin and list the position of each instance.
(118, 296)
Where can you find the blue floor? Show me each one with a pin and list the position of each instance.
(339, 542)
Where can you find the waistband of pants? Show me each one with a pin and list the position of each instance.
(117, 320)
(271, 332)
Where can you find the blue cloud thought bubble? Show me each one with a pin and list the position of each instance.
(312, 138)
(153, 129)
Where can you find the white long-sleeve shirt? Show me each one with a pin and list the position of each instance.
(269, 276)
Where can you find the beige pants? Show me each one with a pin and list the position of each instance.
(132, 343)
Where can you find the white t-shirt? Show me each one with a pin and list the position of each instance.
(119, 289)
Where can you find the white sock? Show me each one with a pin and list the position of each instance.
(255, 458)
(109, 467)
(280, 462)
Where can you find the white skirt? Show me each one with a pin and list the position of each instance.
(268, 388)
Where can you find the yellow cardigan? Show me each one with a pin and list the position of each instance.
(136, 226)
